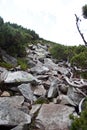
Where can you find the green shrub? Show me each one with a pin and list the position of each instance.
(6, 65)
(84, 75)
(23, 63)
(80, 60)
(81, 122)
(58, 52)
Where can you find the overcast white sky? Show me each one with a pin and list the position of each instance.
(52, 19)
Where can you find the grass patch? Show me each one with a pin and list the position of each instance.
(6, 65)
(41, 100)
(23, 63)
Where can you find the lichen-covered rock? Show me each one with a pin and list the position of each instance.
(20, 76)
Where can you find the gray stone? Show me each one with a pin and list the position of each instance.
(8, 59)
(63, 88)
(53, 90)
(63, 70)
(65, 100)
(50, 64)
(14, 101)
(26, 91)
(11, 116)
(31, 63)
(3, 74)
(39, 90)
(9, 113)
(20, 76)
(74, 96)
(42, 77)
(54, 117)
(39, 69)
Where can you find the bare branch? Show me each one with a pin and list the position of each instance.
(73, 84)
(77, 20)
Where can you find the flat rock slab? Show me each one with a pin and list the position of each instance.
(54, 117)
(19, 76)
(10, 115)
(14, 101)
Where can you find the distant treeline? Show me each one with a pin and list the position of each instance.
(13, 37)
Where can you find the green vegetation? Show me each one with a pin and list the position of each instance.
(84, 11)
(14, 38)
(80, 123)
(41, 100)
(23, 63)
(77, 55)
(6, 65)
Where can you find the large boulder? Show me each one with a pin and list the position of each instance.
(39, 69)
(54, 117)
(20, 76)
(14, 101)
(10, 115)
(50, 64)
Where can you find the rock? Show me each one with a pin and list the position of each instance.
(9, 113)
(65, 100)
(74, 96)
(5, 94)
(39, 69)
(39, 90)
(13, 101)
(26, 91)
(20, 76)
(46, 84)
(54, 117)
(63, 70)
(34, 109)
(50, 64)
(11, 116)
(42, 77)
(63, 88)
(8, 59)
(3, 74)
(24, 108)
(53, 90)
(31, 63)
(21, 127)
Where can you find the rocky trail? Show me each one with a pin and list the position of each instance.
(43, 96)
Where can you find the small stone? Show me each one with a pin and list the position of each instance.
(64, 88)
(40, 90)
(5, 94)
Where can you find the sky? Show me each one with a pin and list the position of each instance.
(53, 20)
